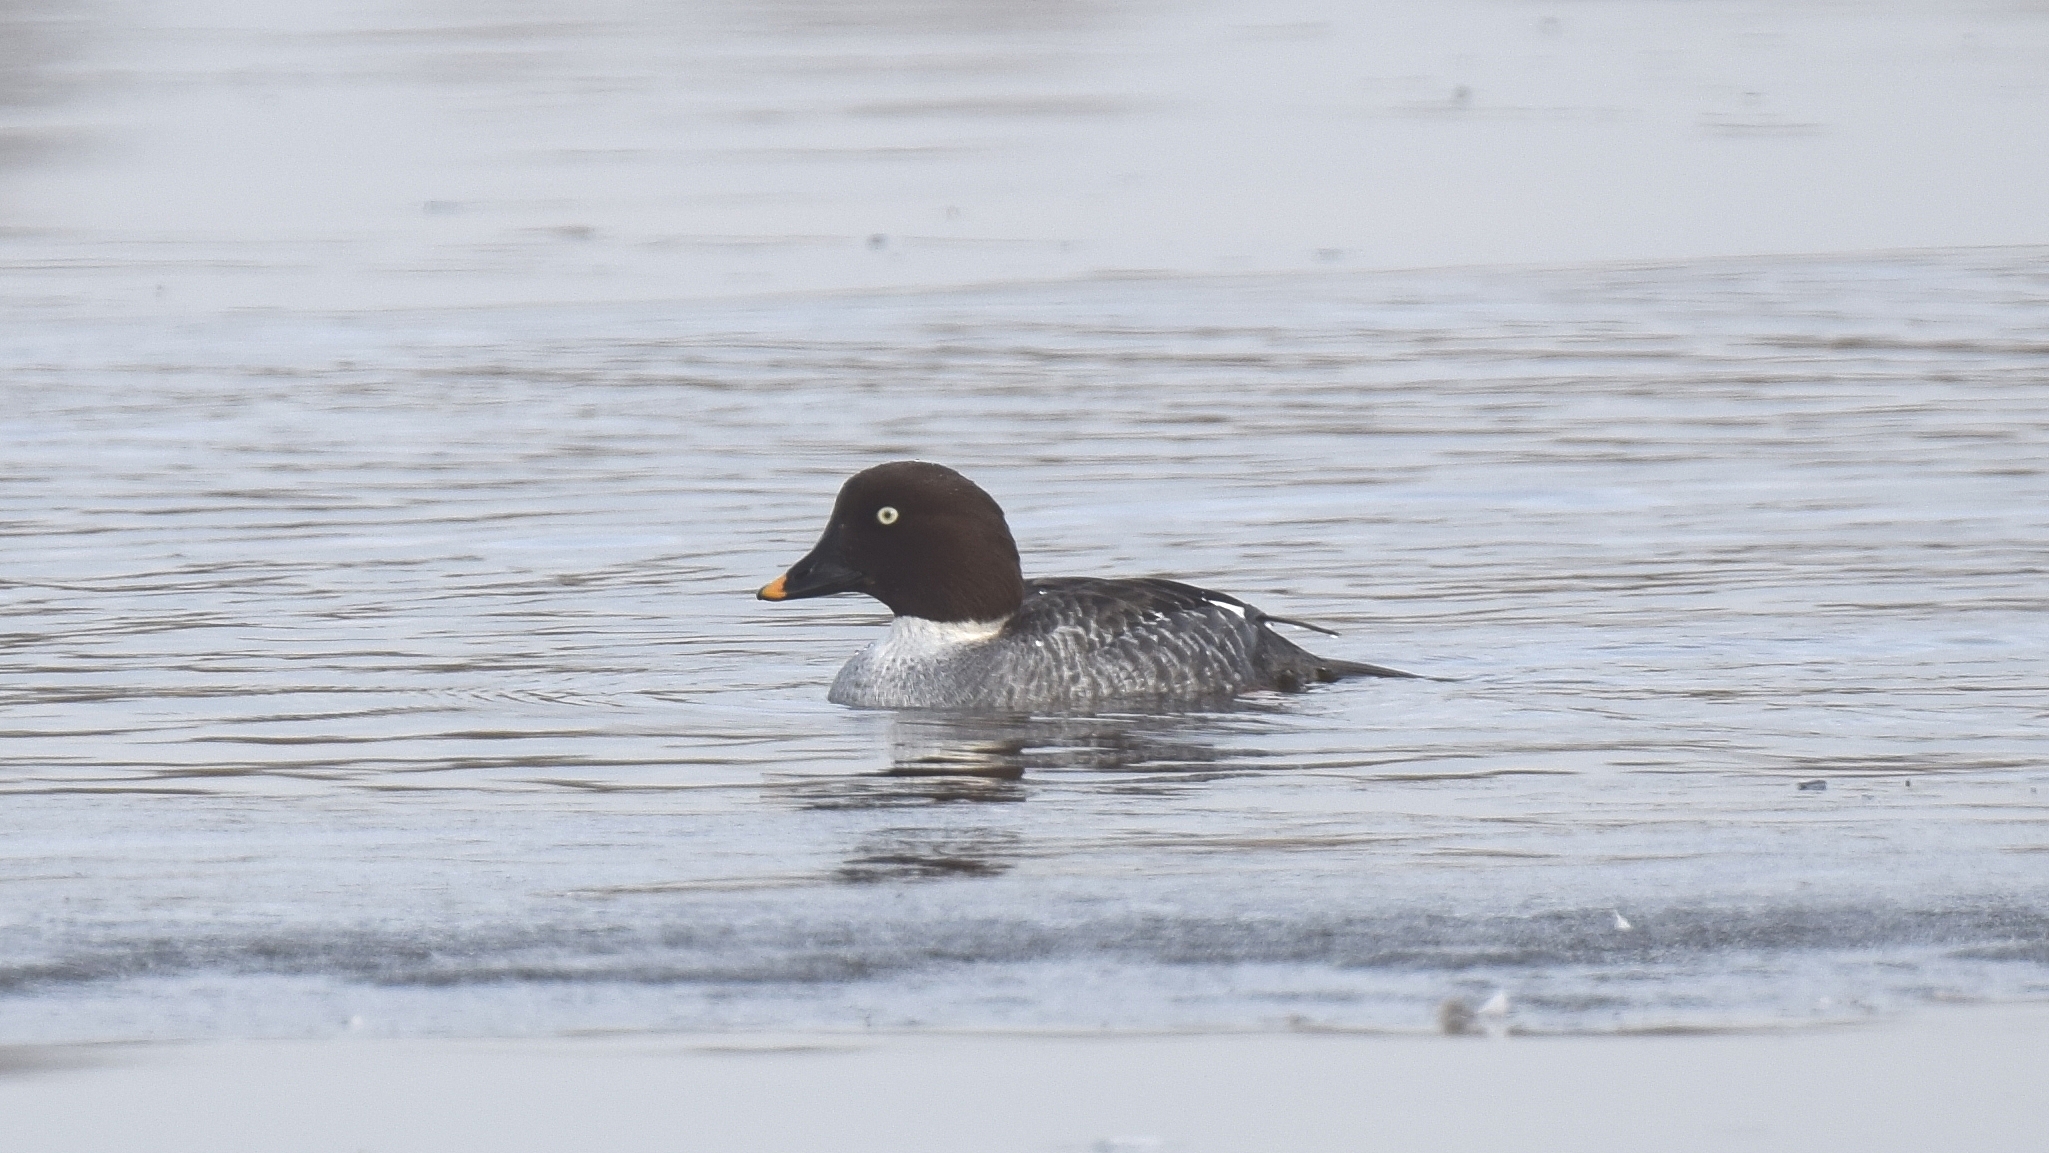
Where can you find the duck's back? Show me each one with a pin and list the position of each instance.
(1091, 642)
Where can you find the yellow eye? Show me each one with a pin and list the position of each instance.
(885, 515)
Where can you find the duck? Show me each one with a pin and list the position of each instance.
(970, 632)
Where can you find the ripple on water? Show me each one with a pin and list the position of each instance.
(434, 693)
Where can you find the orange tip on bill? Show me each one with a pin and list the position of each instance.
(773, 590)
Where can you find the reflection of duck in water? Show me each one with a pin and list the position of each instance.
(972, 633)
(955, 756)
(997, 745)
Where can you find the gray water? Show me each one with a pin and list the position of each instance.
(398, 670)
(401, 405)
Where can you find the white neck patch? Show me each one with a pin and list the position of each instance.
(916, 636)
(917, 662)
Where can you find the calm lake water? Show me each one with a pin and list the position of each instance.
(398, 670)
(401, 405)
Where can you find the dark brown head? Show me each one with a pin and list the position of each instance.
(921, 538)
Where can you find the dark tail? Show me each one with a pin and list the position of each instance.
(1337, 670)
(1330, 670)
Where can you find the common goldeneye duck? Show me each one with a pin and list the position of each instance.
(972, 633)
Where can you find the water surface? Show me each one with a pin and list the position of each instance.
(397, 669)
